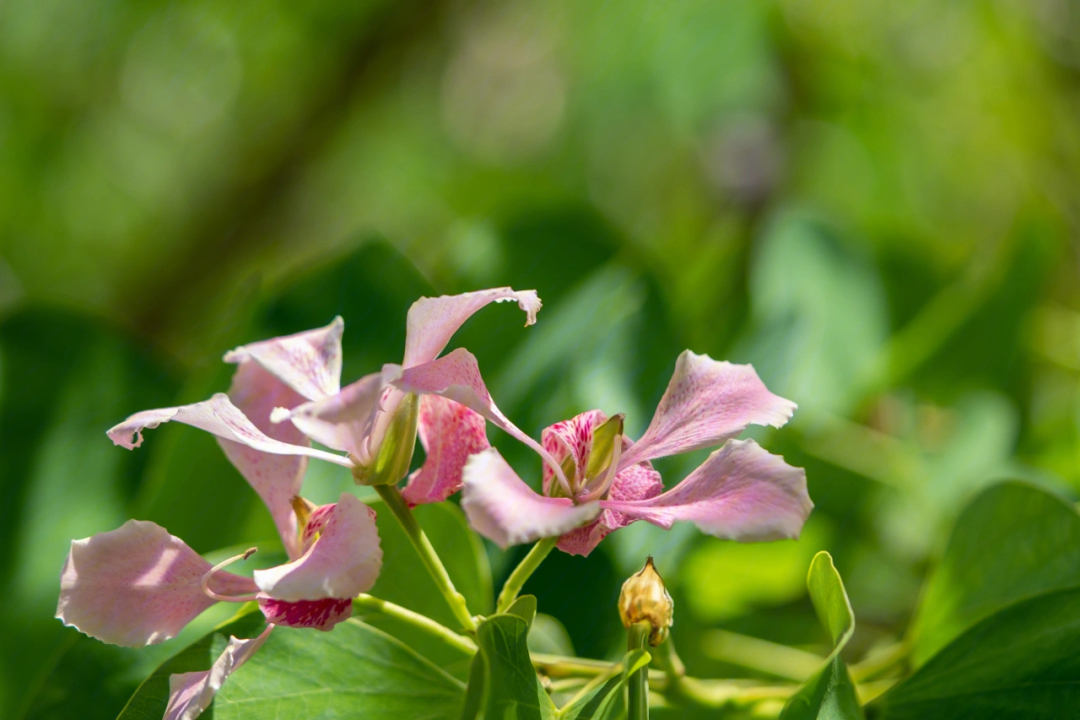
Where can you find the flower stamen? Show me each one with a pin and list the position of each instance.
(209, 573)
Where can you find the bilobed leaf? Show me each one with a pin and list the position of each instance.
(1013, 541)
(525, 608)
(599, 697)
(1020, 662)
(354, 670)
(513, 691)
(830, 693)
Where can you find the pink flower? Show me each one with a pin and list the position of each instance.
(596, 480)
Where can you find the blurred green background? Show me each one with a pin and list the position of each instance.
(875, 203)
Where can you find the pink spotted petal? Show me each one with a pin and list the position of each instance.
(276, 478)
(341, 421)
(450, 433)
(570, 437)
(319, 614)
(137, 585)
(457, 377)
(191, 693)
(342, 563)
(433, 321)
(308, 362)
(705, 403)
(637, 482)
(739, 493)
(218, 416)
(502, 508)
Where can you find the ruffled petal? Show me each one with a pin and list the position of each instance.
(739, 493)
(457, 377)
(340, 421)
(502, 508)
(637, 482)
(308, 362)
(342, 563)
(137, 585)
(218, 416)
(319, 614)
(191, 693)
(707, 402)
(450, 433)
(276, 478)
(433, 321)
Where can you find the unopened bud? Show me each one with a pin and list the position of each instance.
(396, 449)
(644, 597)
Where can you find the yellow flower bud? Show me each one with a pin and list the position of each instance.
(644, 597)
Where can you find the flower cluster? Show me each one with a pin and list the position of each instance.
(138, 584)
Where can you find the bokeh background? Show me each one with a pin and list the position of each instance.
(875, 203)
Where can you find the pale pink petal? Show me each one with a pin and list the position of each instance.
(340, 421)
(705, 403)
(137, 585)
(319, 614)
(433, 321)
(342, 563)
(450, 433)
(502, 508)
(637, 482)
(740, 493)
(276, 478)
(308, 362)
(191, 693)
(570, 437)
(218, 416)
(457, 377)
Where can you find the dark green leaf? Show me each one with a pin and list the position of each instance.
(474, 692)
(598, 698)
(525, 608)
(1014, 540)
(513, 689)
(354, 670)
(1021, 662)
(829, 694)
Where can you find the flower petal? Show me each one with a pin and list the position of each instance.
(637, 482)
(457, 377)
(340, 421)
(191, 693)
(450, 433)
(218, 416)
(137, 585)
(319, 614)
(342, 563)
(502, 508)
(707, 402)
(739, 493)
(571, 437)
(433, 321)
(308, 362)
(276, 478)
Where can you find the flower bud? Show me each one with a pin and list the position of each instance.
(644, 597)
(395, 452)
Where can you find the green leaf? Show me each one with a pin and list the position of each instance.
(513, 689)
(603, 693)
(548, 635)
(354, 670)
(474, 692)
(1013, 541)
(152, 696)
(525, 608)
(1021, 662)
(829, 694)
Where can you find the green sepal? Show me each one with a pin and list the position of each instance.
(396, 451)
(607, 439)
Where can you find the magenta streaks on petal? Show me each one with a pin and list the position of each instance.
(315, 525)
(433, 321)
(570, 437)
(741, 492)
(637, 482)
(137, 585)
(319, 614)
(308, 362)
(707, 402)
(450, 433)
(191, 693)
(502, 508)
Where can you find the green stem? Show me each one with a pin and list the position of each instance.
(523, 571)
(425, 624)
(749, 652)
(397, 505)
(637, 637)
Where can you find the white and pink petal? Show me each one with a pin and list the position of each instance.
(450, 433)
(637, 482)
(342, 421)
(191, 693)
(309, 362)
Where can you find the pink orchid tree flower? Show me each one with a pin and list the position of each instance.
(595, 480)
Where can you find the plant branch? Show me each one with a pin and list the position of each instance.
(370, 603)
(523, 571)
